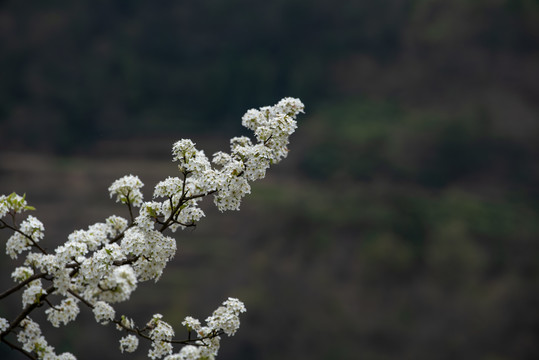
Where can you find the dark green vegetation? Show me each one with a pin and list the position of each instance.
(404, 224)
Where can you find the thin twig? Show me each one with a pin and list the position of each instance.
(28, 310)
(34, 243)
(121, 235)
(22, 284)
(132, 218)
(200, 195)
(140, 332)
(86, 302)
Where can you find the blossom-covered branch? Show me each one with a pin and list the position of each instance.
(104, 264)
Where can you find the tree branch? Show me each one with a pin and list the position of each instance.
(27, 311)
(34, 243)
(83, 300)
(22, 284)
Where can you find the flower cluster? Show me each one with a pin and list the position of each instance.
(22, 273)
(161, 335)
(129, 343)
(30, 232)
(188, 352)
(103, 312)
(33, 341)
(225, 319)
(127, 190)
(4, 325)
(65, 312)
(104, 264)
(32, 294)
(13, 204)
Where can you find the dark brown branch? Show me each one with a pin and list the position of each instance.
(20, 318)
(176, 209)
(191, 341)
(28, 310)
(51, 305)
(121, 235)
(129, 261)
(268, 139)
(192, 224)
(140, 332)
(132, 218)
(22, 284)
(87, 303)
(34, 243)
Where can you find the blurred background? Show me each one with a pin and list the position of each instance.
(403, 225)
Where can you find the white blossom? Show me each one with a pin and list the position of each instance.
(152, 249)
(116, 225)
(62, 281)
(22, 273)
(183, 150)
(189, 215)
(69, 251)
(97, 268)
(161, 334)
(31, 231)
(127, 189)
(168, 187)
(65, 312)
(66, 356)
(235, 306)
(230, 195)
(160, 329)
(191, 323)
(103, 312)
(33, 228)
(16, 244)
(226, 317)
(43, 262)
(159, 349)
(4, 324)
(209, 348)
(32, 293)
(129, 343)
(4, 208)
(221, 158)
(188, 352)
(14, 203)
(95, 236)
(104, 263)
(148, 212)
(30, 335)
(190, 160)
(118, 285)
(32, 340)
(126, 323)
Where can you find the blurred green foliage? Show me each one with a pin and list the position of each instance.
(90, 70)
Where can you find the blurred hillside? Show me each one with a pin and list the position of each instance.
(403, 225)
(87, 70)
